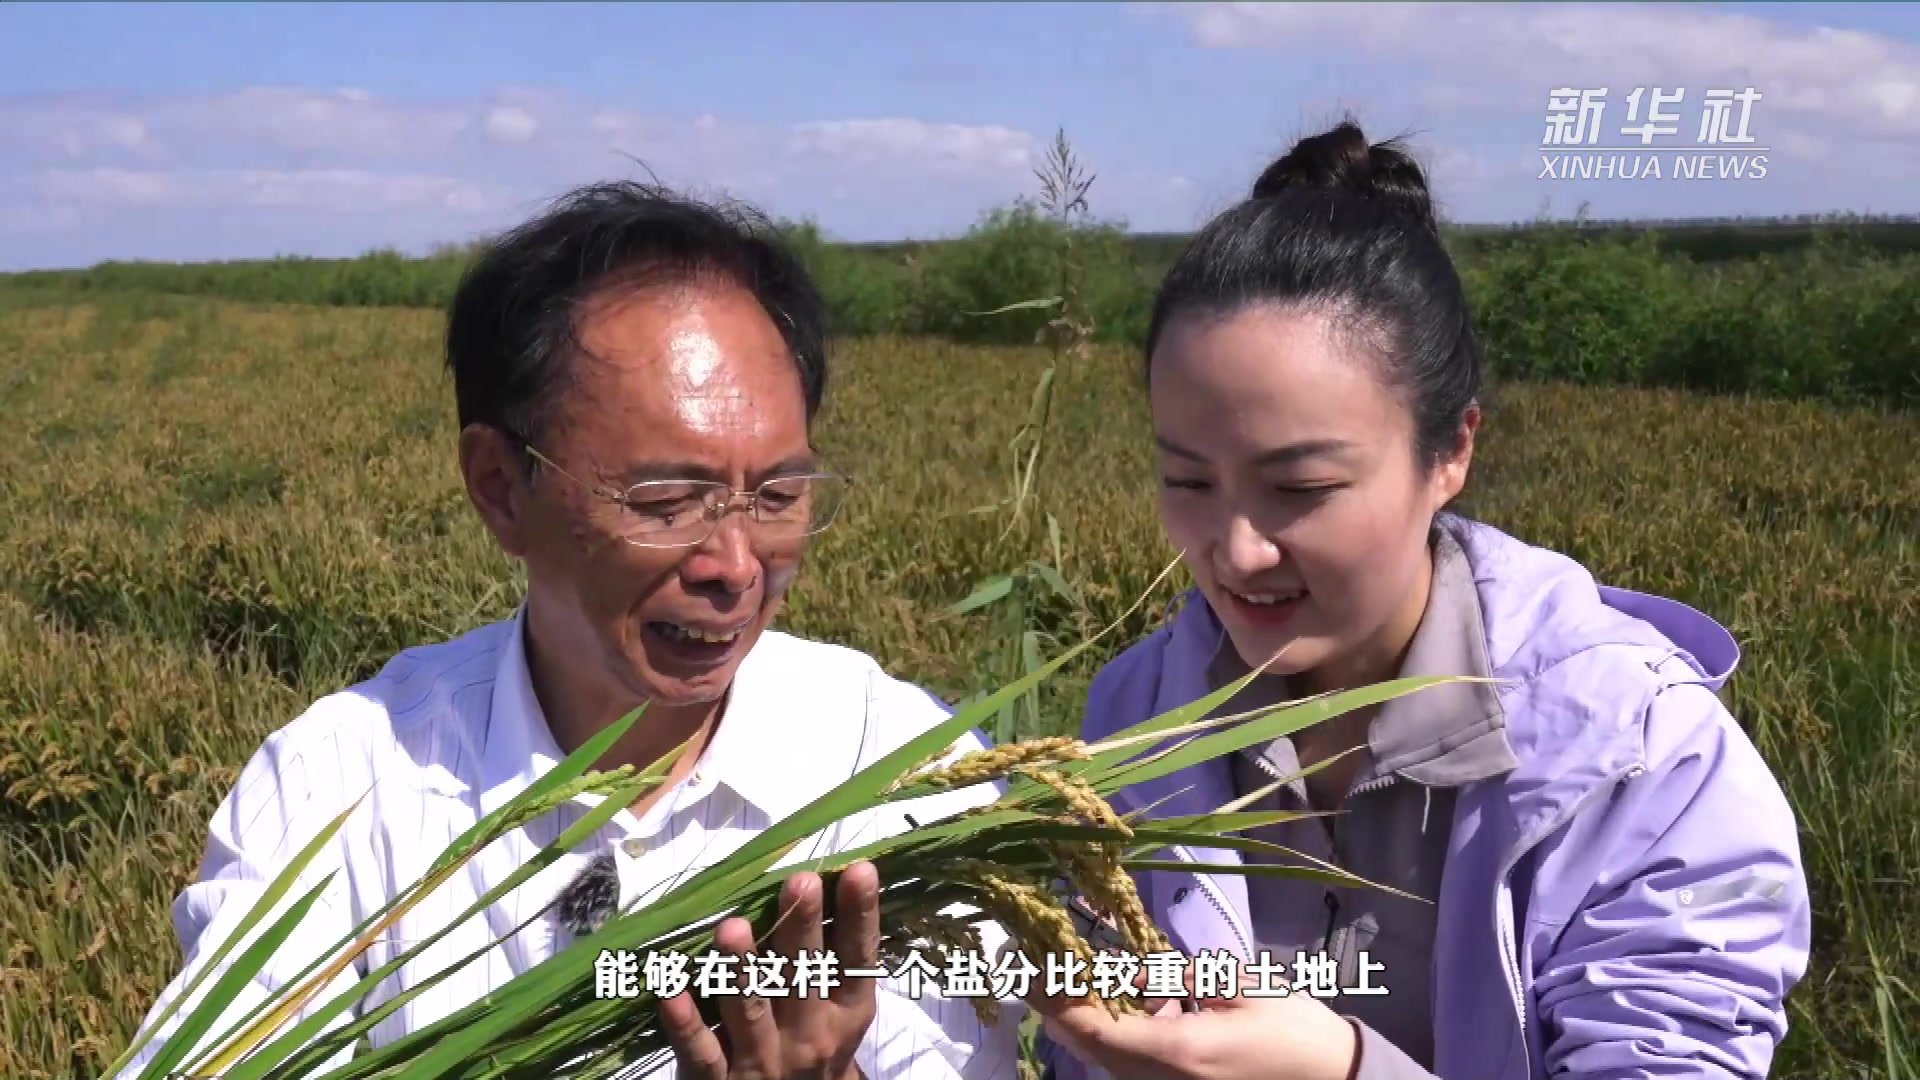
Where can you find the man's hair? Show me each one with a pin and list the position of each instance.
(513, 326)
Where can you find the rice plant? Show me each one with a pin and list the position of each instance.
(166, 602)
(1051, 832)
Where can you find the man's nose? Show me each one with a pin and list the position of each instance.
(726, 557)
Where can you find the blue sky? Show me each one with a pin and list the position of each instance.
(232, 130)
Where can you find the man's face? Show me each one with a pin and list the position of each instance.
(686, 383)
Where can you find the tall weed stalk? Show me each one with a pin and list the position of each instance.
(1025, 602)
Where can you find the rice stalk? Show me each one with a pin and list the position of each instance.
(1053, 823)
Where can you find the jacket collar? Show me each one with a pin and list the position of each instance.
(1444, 736)
(1539, 610)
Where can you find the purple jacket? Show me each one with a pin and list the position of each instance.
(1628, 902)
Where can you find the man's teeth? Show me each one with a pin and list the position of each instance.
(693, 634)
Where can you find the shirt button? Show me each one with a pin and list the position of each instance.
(1180, 893)
(634, 846)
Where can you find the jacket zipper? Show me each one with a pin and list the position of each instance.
(1219, 902)
(1509, 942)
(1503, 908)
(1330, 897)
(1336, 939)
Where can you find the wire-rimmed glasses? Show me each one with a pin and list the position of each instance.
(682, 513)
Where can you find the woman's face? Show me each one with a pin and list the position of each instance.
(1290, 480)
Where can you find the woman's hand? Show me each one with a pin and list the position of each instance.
(1295, 1037)
(789, 1038)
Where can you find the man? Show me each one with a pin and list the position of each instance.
(637, 375)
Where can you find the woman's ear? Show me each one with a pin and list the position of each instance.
(1450, 473)
(492, 469)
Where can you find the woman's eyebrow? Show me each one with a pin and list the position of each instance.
(1281, 455)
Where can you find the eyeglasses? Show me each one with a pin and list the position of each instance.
(682, 513)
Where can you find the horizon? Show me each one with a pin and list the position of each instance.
(315, 131)
(1810, 220)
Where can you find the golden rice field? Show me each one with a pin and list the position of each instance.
(216, 512)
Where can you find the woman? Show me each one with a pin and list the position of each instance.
(1608, 876)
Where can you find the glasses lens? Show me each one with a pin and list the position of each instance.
(798, 505)
(669, 512)
(675, 513)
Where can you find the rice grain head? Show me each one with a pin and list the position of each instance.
(1080, 797)
(944, 934)
(994, 762)
(1036, 921)
(1095, 871)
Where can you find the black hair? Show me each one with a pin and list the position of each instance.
(1338, 225)
(512, 328)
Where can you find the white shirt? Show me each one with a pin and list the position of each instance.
(447, 733)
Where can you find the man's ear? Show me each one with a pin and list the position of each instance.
(494, 475)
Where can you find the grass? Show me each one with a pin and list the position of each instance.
(217, 512)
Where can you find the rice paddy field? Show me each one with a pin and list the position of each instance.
(216, 511)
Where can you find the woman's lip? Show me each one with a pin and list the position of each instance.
(1281, 594)
(1265, 616)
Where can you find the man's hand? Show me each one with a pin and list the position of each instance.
(790, 1038)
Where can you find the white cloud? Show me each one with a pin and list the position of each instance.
(988, 149)
(1513, 54)
(1805, 147)
(341, 191)
(615, 122)
(335, 163)
(351, 128)
(119, 187)
(511, 124)
(74, 128)
(344, 121)
(1152, 201)
(127, 132)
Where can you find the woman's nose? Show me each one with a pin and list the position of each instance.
(1248, 552)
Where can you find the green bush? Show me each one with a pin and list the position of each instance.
(1817, 311)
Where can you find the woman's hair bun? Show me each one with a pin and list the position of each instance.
(1341, 159)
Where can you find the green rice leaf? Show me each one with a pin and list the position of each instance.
(869, 786)
(536, 794)
(1052, 577)
(987, 592)
(548, 790)
(1298, 873)
(1280, 721)
(235, 979)
(202, 1018)
(579, 831)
